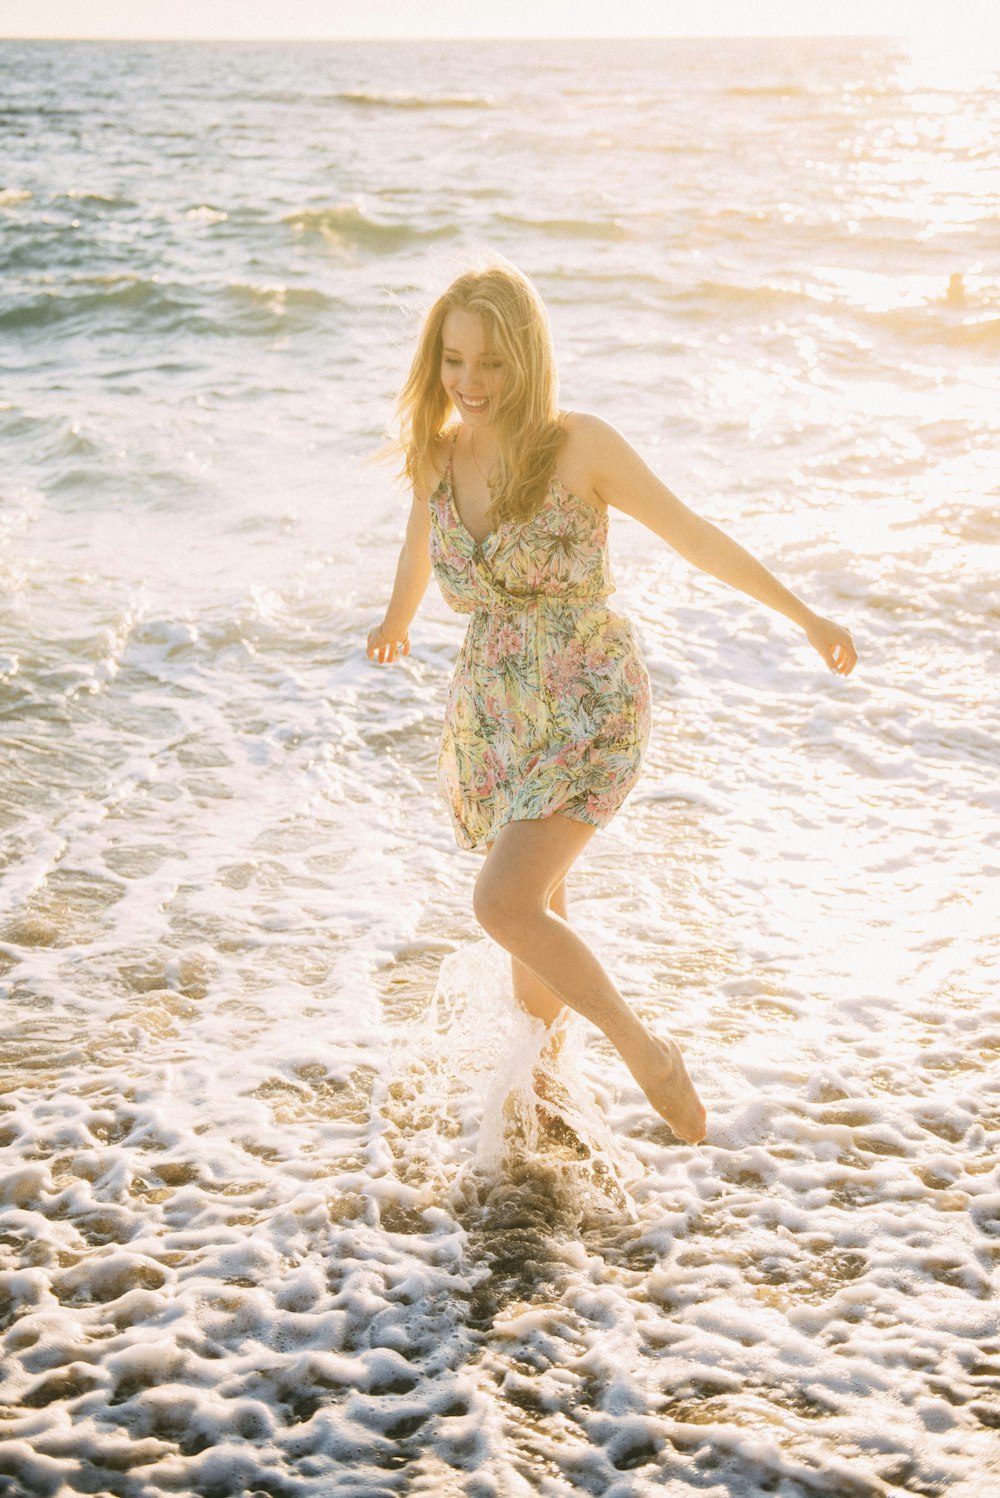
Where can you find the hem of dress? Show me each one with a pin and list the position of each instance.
(463, 839)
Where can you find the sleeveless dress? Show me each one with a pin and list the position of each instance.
(549, 705)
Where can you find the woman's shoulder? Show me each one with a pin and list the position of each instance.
(579, 461)
(435, 465)
(585, 429)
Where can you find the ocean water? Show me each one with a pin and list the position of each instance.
(292, 1202)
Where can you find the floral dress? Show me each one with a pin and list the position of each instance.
(549, 706)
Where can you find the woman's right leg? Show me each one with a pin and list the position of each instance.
(529, 991)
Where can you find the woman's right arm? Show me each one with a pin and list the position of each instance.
(413, 573)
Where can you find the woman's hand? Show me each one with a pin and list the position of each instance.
(834, 644)
(379, 644)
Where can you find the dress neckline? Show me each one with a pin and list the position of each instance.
(556, 483)
(449, 486)
(448, 483)
(448, 480)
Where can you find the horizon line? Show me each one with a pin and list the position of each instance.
(603, 36)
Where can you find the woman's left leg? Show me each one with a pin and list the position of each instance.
(527, 862)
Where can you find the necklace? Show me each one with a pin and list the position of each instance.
(472, 449)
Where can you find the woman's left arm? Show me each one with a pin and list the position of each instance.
(621, 478)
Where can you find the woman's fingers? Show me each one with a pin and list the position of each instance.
(851, 656)
(843, 656)
(834, 644)
(385, 651)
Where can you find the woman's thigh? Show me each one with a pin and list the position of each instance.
(528, 861)
(558, 899)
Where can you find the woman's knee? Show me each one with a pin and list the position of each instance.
(524, 876)
(488, 904)
(502, 910)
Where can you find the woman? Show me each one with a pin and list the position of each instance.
(548, 711)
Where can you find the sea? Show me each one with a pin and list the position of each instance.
(294, 1201)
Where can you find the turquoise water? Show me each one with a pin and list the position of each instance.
(281, 1215)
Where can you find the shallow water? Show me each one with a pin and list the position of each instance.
(292, 1202)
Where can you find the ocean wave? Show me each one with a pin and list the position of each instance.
(932, 325)
(289, 296)
(40, 111)
(919, 89)
(673, 147)
(570, 228)
(768, 91)
(347, 224)
(733, 294)
(277, 301)
(929, 321)
(105, 303)
(11, 197)
(399, 99)
(78, 196)
(93, 297)
(607, 280)
(206, 214)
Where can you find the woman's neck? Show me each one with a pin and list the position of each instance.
(484, 448)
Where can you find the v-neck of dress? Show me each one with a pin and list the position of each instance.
(449, 479)
(450, 486)
(493, 534)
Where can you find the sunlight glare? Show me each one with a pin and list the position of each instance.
(962, 54)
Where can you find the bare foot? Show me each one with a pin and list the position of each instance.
(659, 1069)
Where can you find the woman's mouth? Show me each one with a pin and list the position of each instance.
(471, 405)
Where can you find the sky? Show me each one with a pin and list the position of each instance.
(471, 18)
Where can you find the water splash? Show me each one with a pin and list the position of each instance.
(482, 1068)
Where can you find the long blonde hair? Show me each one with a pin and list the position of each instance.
(528, 423)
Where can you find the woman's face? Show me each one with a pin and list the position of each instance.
(471, 373)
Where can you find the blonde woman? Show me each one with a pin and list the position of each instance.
(548, 713)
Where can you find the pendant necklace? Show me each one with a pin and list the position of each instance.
(472, 449)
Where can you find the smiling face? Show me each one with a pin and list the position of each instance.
(472, 373)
